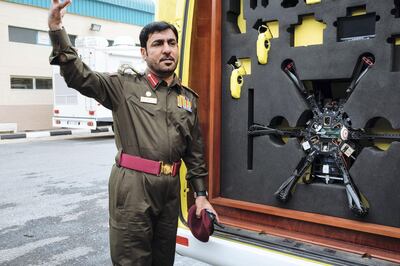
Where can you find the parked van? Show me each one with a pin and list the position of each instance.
(74, 110)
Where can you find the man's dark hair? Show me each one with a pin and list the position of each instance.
(156, 26)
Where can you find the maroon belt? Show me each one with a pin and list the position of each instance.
(148, 166)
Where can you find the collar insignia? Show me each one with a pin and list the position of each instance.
(152, 79)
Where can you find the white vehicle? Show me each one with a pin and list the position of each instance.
(74, 110)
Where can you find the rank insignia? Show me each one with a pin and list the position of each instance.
(152, 79)
(184, 103)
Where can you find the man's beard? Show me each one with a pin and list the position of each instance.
(163, 73)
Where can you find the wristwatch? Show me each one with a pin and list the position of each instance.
(200, 193)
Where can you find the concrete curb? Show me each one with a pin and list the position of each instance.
(50, 133)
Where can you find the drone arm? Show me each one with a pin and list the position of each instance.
(284, 192)
(290, 70)
(357, 203)
(358, 134)
(362, 67)
(295, 79)
(261, 130)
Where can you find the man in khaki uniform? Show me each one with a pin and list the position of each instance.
(156, 125)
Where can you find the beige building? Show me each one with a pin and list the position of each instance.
(26, 95)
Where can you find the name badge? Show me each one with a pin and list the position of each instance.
(184, 103)
(148, 100)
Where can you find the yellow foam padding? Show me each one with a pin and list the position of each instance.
(246, 63)
(397, 41)
(358, 12)
(382, 146)
(309, 32)
(311, 2)
(383, 127)
(241, 21)
(274, 28)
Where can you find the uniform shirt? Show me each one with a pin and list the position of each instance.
(148, 121)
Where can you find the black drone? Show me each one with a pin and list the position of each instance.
(328, 138)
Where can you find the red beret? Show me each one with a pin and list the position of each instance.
(201, 227)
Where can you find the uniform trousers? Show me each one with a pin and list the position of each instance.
(144, 212)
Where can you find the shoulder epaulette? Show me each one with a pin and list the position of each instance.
(192, 91)
(127, 69)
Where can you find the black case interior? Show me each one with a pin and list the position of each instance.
(252, 169)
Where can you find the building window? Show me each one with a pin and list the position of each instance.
(16, 34)
(21, 83)
(43, 83)
(31, 83)
(24, 35)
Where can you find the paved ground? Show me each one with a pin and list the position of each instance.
(53, 204)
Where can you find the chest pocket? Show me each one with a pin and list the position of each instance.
(184, 121)
(142, 107)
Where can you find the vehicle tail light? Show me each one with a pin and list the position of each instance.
(58, 122)
(184, 241)
(91, 112)
(90, 123)
(56, 111)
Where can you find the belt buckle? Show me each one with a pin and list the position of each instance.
(165, 169)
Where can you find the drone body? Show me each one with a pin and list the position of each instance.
(328, 140)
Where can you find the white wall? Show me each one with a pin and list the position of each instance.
(22, 59)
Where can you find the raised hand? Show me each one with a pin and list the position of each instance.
(56, 13)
